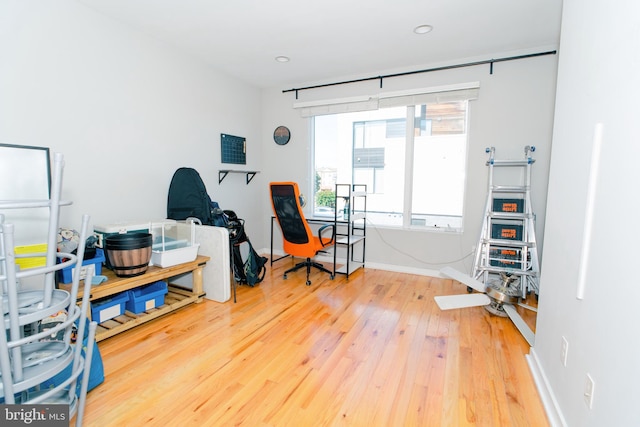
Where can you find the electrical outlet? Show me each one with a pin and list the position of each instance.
(588, 391)
(564, 351)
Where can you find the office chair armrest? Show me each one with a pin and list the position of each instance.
(323, 229)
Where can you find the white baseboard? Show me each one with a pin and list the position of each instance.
(405, 269)
(377, 266)
(551, 407)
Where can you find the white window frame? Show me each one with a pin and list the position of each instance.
(409, 98)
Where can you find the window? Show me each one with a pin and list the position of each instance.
(411, 157)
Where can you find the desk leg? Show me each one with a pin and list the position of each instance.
(233, 275)
(271, 254)
(197, 283)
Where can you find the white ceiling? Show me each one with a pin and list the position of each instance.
(330, 39)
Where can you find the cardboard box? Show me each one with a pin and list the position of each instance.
(506, 258)
(508, 205)
(506, 231)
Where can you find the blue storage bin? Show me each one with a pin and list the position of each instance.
(147, 297)
(66, 274)
(96, 373)
(108, 308)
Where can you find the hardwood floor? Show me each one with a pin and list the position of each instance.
(371, 351)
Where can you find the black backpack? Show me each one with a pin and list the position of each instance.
(188, 198)
(248, 267)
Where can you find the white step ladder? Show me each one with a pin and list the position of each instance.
(507, 243)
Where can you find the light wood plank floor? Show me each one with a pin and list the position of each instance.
(373, 350)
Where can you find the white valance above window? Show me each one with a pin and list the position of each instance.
(336, 106)
(439, 94)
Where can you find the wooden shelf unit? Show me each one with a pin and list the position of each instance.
(176, 297)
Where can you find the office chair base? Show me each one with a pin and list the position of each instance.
(309, 263)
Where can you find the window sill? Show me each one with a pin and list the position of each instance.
(412, 229)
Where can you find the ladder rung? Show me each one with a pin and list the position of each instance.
(510, 243)
(509, 189)
(516, 271)
(509, 215)
(510, 162)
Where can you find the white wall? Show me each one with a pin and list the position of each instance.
(126, 111)
(514, 109)
(598, 82)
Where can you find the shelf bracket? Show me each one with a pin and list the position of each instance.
(222, 174)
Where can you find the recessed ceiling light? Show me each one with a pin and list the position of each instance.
(422, 29)
(282, 58)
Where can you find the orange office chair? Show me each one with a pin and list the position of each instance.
(299, 240)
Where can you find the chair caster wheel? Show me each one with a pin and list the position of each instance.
(308, 282)
(284, 276)
(332, 277)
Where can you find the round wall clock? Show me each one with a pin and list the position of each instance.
(281, 135)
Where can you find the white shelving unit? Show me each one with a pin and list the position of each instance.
(351, 226)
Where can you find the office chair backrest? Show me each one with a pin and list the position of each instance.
(285, 198)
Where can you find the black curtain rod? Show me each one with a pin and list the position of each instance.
(408, 73)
